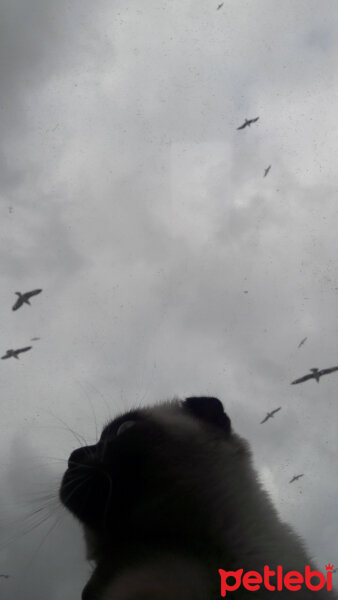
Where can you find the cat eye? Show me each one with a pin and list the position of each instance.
(125, 426)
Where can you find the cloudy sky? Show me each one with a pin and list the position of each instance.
(169, 265)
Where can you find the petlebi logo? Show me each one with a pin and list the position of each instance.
(276, 580)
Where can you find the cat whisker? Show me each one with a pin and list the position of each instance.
(44, 501)
(43, 498)
(77, 478)
(56, 522)
(79, 438)
(26, 529)
(92, 409)
(83, 481)
(102, 397)
(76, 465)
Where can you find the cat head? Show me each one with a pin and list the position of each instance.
(139, 481)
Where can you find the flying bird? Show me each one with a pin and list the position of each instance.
(316, 374)
(7, 576)
(302, 342)
(295, 477)
(269, 415)
(15, 353)
(220, 6)
(266, 171)
(24, 298)
(248, 122)
(35, 339)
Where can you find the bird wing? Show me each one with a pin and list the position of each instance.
(23, 349)
(254, 120)
(302, 342)
(244, 125)
(292, 480)
(296, 477)
(5, 356)
(17, 304)
(327, 371)
(32, 293)
(265, 418)
(276, 410)
(305, 378)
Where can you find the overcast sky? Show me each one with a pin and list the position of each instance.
(169, 265)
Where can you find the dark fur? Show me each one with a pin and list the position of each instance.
(169, 501)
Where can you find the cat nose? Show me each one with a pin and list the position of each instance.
(87, 455)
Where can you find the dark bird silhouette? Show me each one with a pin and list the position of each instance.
(220, 6)
(14, 353)
(316, 374)
(35, 339)
(266, 171)
(269, 415)
(302, 342)
(24, 298)
(248, 122)
(7, 576)
(295, 477)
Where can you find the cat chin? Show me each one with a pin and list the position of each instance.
(166, 578)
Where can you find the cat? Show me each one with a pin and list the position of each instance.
(167, 497)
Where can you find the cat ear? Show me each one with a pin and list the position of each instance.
(208, 409)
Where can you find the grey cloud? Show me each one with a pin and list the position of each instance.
(43, 245)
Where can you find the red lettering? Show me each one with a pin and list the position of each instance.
(292, 581)
(308, 576)
(267, 574)
(252, 581)
(225, 587)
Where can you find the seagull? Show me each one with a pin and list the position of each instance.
(248, 122)
(24, 298)
(295, 477)
(14, 353)
(220, 6)
(266, 171)
(316, 374)
(269, 415)
(302, 342)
